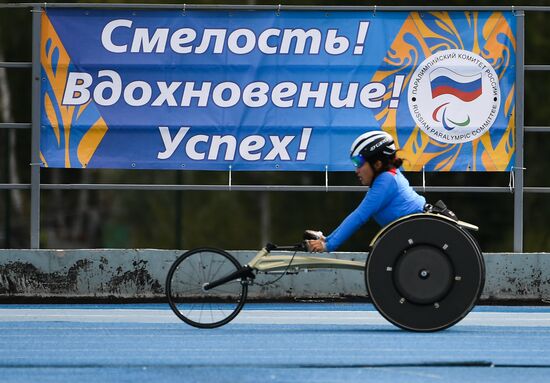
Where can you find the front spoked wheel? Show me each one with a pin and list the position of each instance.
(193, 300)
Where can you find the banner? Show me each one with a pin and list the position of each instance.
(266, 90)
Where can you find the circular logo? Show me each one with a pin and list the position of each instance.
(454, 96)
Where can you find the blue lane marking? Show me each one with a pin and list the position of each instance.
(252, 374)
(96, 345)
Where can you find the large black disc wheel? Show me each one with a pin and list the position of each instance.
(425, 273)
(188, 292)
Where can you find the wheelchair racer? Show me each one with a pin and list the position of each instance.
(390, 196)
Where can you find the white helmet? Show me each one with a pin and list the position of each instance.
(376, 142)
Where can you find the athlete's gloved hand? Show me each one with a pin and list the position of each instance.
(316, 245)
(313, 234)
(315, 241)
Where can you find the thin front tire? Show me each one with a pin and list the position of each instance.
(187, 296)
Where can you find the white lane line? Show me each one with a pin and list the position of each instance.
(521, 319)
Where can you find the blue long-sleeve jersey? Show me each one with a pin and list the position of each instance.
(389, 198)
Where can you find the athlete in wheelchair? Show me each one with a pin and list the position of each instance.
(424, 270)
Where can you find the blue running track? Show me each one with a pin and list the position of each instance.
(268, 343)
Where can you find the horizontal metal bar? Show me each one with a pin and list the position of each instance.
(462, 189)
(536, 190)
(334, 188)
(19, 5)
(278, 7)
(537, 129)
(537, 67)
(146, 187)
(14, 186)
(15, 125)
(285, 188)
(15, 64)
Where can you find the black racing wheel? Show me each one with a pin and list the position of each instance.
(189, 295)
(425, 273)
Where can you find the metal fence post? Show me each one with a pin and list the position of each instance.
(518, 166)
(35, 141)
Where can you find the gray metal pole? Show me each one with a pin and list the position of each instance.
(518, 166)
(35, 144)
(7, 197)
(178, 229)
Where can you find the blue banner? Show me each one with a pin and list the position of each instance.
(261, 90)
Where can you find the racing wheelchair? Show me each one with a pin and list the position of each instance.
(424, 272)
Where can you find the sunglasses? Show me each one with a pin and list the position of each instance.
(358, 161)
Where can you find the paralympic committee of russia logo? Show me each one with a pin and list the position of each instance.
(454, 96)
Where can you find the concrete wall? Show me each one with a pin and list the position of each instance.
(104, 274)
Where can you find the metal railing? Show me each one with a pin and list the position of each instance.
(35, 186)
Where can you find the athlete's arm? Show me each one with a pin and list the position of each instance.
(380, 194)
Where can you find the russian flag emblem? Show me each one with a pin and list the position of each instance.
(445, 81)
